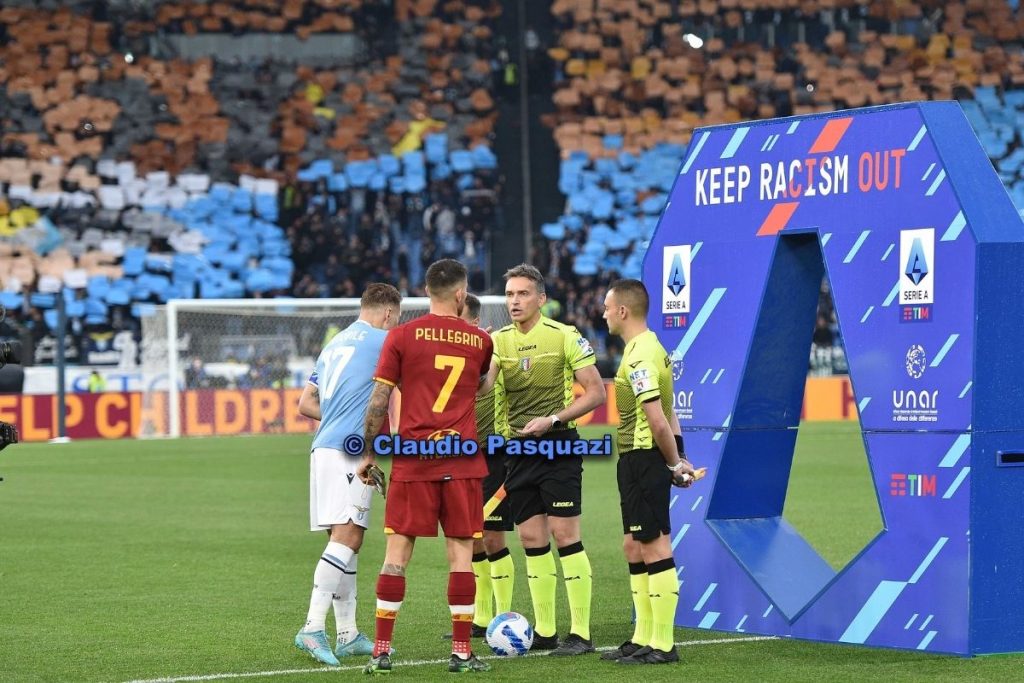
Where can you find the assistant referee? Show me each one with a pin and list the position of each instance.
(651, 460)
(538, 359)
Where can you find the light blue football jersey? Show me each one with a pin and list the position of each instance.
(344, 376)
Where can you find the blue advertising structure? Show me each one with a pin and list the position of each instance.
(901, 210)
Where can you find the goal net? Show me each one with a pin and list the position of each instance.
(239, 365)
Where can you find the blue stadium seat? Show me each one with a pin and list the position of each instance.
(378, 181)
(118, 297)
(612, 142)
(584, 267)
(98, 286)
(461, 161)
(74, 309)
(396, 184)
(143, 310)
(338, 182)
(415, 183)
(389, 165)
(96, 307)
(553, 231)
(12, 301)
(484, 158)
(414, 160)
(40, 300)
(134, 260)
(572, 222)
(435, 147)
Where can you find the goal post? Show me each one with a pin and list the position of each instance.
(237, 366)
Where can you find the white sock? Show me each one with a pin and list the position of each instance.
(345, 603)
(326, 579)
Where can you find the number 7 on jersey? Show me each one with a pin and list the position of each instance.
(456, 364)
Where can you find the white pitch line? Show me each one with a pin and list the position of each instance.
(402, 664)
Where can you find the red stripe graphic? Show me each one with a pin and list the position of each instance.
(777, 218)
(830, 135)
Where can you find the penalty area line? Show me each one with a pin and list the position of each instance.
(399, 664)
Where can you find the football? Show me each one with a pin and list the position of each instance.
(510, 635)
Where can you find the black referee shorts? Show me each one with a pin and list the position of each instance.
(538, 486)
(645, 484)
(501, 518)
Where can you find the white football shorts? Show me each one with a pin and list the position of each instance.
(336, 496)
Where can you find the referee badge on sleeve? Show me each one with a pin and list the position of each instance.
(641, 381)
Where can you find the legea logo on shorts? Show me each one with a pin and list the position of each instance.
(676, 286)
(917, 274)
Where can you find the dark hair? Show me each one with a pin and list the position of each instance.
(444, 275)
(633, 295)
(529, 272)
(379, 295)
(473, 305)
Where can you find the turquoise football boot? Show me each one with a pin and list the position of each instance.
(315, 644)
(360, 645)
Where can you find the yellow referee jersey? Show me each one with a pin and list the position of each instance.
(538, 368)
(644, 375)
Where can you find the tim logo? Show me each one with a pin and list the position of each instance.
(917, 274)
(675, 293)
(913, 485)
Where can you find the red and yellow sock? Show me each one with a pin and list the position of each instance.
(390, 593)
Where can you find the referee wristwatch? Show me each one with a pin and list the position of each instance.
(555, 422)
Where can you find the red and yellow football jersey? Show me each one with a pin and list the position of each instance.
(437, 362)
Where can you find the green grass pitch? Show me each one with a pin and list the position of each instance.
(129, 560)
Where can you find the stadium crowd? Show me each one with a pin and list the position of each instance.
(632, 79)
(80, 90)
(81, 86)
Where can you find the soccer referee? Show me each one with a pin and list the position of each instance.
(651, 460)
(538, 359)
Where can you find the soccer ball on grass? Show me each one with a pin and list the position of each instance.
(510, 635)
